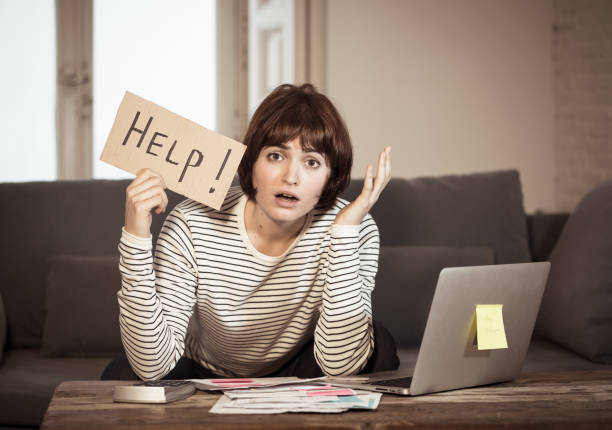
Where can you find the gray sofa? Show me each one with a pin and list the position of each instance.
(58, 274)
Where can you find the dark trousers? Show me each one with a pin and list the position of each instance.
(303, 365)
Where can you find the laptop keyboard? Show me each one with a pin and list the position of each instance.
(397, 382)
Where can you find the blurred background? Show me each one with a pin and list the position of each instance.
(454, 86)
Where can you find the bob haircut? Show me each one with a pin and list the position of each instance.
(289, 112)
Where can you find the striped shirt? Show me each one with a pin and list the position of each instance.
(210, 295)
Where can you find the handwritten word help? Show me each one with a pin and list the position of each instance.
(158, 146)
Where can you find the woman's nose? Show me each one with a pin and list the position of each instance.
(292, 173)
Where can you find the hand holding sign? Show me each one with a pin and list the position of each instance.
(145, 193)
(193, 160)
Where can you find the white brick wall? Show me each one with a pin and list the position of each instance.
(582, 53)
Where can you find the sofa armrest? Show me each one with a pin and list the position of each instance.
(543, 231)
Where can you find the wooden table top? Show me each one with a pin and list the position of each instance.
(559, 400)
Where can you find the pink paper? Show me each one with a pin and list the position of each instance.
(317, 388)
(343, 392)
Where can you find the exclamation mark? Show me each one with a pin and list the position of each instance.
(212, 189)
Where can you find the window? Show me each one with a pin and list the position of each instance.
(27, 85)
(162, 51)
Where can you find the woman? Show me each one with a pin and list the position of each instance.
(275, 283)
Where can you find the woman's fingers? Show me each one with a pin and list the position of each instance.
(141, 176)
(368, 182)
(372, 187)
(144, 175)
(144, 180)
(381, 171)
(147, 193)
(354, 212)
(145, 206)
(384, 171)
(164, 205)
(153, 182)
(145, 185)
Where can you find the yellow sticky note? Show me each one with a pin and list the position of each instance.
(490, 327)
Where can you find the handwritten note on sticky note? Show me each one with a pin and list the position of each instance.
(490, 327)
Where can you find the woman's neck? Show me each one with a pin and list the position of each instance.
(267, 235)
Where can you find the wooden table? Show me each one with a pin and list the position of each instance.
(561, 400)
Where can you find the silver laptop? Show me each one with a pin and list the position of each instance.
(449, 357)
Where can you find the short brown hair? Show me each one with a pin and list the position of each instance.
(289, 112)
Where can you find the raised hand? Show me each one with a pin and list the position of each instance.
(353, 213)
(143, 194)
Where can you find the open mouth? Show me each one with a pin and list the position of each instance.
(287, 197)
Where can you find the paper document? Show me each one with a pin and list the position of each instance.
(245, 383)
(279, 395)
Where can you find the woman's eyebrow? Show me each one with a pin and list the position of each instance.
(286, 147)
(278, 145)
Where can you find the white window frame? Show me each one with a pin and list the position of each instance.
(74, 103)
(74, 89)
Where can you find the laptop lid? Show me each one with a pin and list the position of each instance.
(449, 357)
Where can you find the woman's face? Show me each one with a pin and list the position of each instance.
(289, 181)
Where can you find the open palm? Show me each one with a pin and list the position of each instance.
(353, 213)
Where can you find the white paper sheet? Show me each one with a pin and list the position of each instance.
(293, 398)
(223, 384)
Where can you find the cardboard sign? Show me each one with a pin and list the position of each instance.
(193, 160)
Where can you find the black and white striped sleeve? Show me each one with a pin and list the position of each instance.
(157, 297)
(344, 338)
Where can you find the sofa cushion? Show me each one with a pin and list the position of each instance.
(542, 356)
(577, 303)
(547, 356)
(482, 210)
(544, 230)
(406, 281)
(2, 327)
(82, 314)
(42, 219)
(27, 383)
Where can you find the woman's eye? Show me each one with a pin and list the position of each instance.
(275, 156)
(313, 163)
